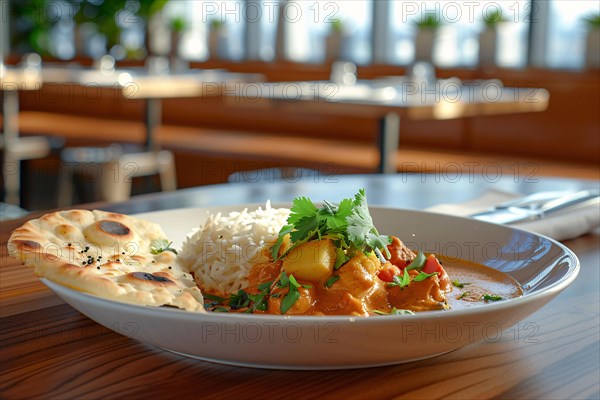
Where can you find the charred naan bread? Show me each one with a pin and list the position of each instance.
(110, 255)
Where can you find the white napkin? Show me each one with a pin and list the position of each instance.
(562, 225)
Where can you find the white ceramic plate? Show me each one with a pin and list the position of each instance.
(542, 266)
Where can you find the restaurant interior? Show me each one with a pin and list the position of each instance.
(173, 170)
(164, 95)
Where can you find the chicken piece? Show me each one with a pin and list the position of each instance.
(400, 255)
(358, 290)
(425, 295)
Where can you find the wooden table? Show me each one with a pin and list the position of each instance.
(49, 350)
(393, 100)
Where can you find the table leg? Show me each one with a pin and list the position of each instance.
(10, 126)
(153, 120)
(389, 138)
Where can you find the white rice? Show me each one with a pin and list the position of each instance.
(223, 250)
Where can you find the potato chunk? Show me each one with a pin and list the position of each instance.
(311, 261)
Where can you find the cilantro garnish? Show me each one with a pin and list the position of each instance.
(400, 281)
(418, 262)
(160, 245)
(332, 279)
(239, 300)
(405, 279)
(460, 285)
(422, 276)
(348, 225)
(292, 295)
(491, 297)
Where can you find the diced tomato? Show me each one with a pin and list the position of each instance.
(387, 274)
(432, 265)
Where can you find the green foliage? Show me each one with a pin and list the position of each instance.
(336, 26)
(429, 21)
(592, 20)
(216, 24)
(490, 20)
(178, 24)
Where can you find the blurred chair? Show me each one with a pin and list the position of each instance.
(14, 148)
(113, 171)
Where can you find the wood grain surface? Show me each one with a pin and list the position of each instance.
(50, 350)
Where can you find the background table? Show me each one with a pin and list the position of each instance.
(395, 99)
(48, 349)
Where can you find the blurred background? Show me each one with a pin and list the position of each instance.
(549, 44)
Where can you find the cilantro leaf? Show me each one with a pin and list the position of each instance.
(400, 281)
(338, 220)
(160, 245)
(286, 229)
(359, 221)
(418, 262)
(214, 298)
(340, 258)
(332, 279)
(289, 299)
(491, 297)
(306, 227)
(422, 276)
(301, 207)
(239, 300)
(460, 285)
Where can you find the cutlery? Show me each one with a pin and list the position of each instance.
(537, 206)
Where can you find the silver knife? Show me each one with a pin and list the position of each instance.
(535, 207)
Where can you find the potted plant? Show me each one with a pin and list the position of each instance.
(150, 12)
(426, 31)
(592, 45)
(215, 38)
(334, 41)
(488, 38)
(177, 26)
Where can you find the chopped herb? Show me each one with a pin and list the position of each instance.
(400, 281)
(418, 262)
(239, 300)
(422, 276)
(460, 285)
(463, 294)
(214, 298)
(348, 225)
(259, 301)
(289, 299)
(265, 285)
(394, 311)
(491, 297)
(220, 309)
(332, 279)
(160, 245)
(340, 258)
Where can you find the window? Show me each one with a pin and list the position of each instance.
(308, 22)
(200, 14)
(457, 41)
(567, 32)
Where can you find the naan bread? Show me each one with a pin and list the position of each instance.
(108, 255)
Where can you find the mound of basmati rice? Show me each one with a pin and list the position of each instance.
(222, 252)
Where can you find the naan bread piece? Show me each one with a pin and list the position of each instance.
(106, 254)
